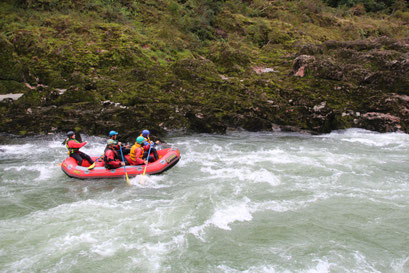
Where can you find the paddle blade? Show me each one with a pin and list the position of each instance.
(127, 179)
(92, 166)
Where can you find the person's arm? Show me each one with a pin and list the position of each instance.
(116, 164)
(73, 144)
(146, 147)
(138, 159)
(155, 139)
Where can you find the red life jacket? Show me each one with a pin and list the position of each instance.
(111, 159)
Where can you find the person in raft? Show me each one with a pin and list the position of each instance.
(125, 149)
(111, 158)
(148, 142)
(136, 154)
(74, 146)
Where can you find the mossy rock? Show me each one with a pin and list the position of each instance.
(10, 68)
(229, 57)
(194, 70)
(7, 87)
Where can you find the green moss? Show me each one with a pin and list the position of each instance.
(196, 56)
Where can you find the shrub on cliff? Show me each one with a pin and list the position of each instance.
(370, 5)
(229, 57)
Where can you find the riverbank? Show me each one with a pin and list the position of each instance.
(291, 66)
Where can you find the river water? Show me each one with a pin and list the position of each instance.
(241, 202)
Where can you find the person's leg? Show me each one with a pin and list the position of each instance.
(127, 163)
(154, 157)
(77, 157)
(87, 157)
(155, 153)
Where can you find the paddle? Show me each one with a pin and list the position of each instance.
(93, 164)
(146, 165)
(123, 159)
(78, 137)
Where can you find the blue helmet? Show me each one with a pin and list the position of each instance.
(112, 133)
(145, 133)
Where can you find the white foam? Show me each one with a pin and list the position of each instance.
(148, 181)
(401, 265)
(23, 149)
(370, 138)
(217, 148)
(25, 263)
(245, 173)
(85, 206)
(224, 216)
(261, 269)
(363, 264)
(323, 266)
(290, 205)
(45, 172)
(70, 240)
(105, 249)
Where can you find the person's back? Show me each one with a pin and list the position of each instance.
(145, 134)
(136, 152)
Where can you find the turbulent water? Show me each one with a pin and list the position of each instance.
(241, 202)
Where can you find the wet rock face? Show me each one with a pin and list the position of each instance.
(381, 122)
(377, 63)
(377, 72)
(300, 63)
(204, 123)
(390, 114)
(322, 118)
(324, 87)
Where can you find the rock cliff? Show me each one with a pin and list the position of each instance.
(221, 66)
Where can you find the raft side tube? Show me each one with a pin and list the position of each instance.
(167, 159)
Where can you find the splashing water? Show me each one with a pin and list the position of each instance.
(241, 202)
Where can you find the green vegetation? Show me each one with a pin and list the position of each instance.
(370, 5)
(177, 63)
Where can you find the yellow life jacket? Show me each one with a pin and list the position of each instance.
(132, 153)
(147, 139)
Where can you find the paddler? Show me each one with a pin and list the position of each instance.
(137, 150)
(74, 146)
(125, 148)
(148, 142)
(111, 157)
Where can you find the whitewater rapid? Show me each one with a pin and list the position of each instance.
(241, 202)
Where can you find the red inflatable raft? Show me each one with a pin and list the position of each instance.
(167, 159)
